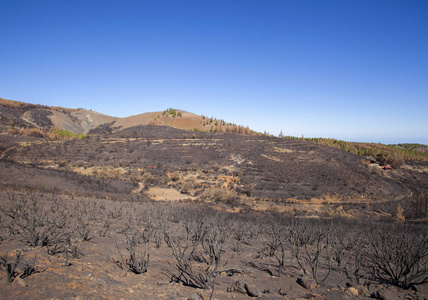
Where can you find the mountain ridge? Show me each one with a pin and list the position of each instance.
(83, 121)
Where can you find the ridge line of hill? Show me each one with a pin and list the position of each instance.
(41, 119)
(83, 121)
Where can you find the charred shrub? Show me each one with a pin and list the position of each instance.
(137, 245)
(398, 254)
(198, 251)
(10, 264)
(33, 220)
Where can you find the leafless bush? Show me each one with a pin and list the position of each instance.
(94, 210)
(348, 248)
(60, 246)
(198, 251)
(300, 236)
(312, 243)
(398, 254)
(84, 229)
(71, 251)
(321, 254)
(240, 234)
(277, 244)
(138, 261)
(105, 228)
(174, 212)
(32, 220)
(84, 213)
(159, 227)
(213, 245)
(28, 267)
(10, 265)
(116, 212)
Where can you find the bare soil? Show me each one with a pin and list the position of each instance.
(97, 269)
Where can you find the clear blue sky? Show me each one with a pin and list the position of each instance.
(353, 70)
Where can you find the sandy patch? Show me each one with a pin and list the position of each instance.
(162, 194)
(420, 169)
(63, 121)
(238, 159)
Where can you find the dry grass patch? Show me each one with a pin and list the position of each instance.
(218, 195)
(283, 150)
(271, 157)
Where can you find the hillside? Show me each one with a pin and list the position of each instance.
(395, 155)
(256, 172)
(264, 169)
(81, 121)
(134, 209)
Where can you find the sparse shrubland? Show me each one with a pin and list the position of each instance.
(412, 146)
(173, 112)
(387, 154)
(421, 205)
(274, 170)
(59, 134)
(89, 217)
(20, 105)
(208, 249)
(52, 134)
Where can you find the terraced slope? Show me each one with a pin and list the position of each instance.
(233, 169)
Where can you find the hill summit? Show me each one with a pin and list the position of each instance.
(83, 121)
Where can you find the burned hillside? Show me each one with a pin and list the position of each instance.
(125, 212)
(263, 168)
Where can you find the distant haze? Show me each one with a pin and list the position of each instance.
(354, 70)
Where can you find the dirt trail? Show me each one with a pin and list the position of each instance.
(6, 151)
